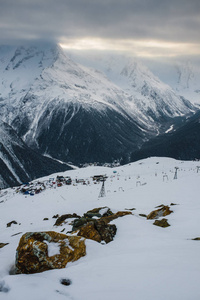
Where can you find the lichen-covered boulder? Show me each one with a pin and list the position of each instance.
(94, 224)
(89, 231)
(42, 251)
(98, 231)
(77, 223)
(161, 212)
(106, 231)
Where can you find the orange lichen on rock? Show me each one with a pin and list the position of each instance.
(161, 212)
(33, 255)
(119, 214)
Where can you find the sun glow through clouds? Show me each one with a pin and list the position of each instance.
(141, 48)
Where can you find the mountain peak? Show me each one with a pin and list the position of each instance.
(63, 109)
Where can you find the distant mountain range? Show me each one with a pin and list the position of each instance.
(182, 143)
(182, 75)
(77, 114)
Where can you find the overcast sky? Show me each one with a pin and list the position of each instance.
(143, 27)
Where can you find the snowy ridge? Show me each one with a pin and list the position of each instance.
(152, 94)
(147, 96)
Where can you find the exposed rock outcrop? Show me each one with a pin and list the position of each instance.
(196, 239)
(161, 212)
(10, 223)
(98, 231)
(99, 212)
(62, 218)
(94, 224)
(143, 215)
(3, 245)
(119, 214)
(42, 251)
(162, 223)
(103, 213)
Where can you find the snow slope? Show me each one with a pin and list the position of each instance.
(142, 262)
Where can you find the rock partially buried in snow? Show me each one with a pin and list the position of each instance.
(161, 212)
(162, 223)
(10, 223)
(94, 224)
(42, 251)
(3, 245)
(112, 217)
(99, 212)
(196, 239)
(62, 218)
(102, 213)
(65, 281)
(98, 231)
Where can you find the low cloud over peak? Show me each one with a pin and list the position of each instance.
(66, 21)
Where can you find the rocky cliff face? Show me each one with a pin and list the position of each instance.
(19, 163)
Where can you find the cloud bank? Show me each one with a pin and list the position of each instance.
(115, 22)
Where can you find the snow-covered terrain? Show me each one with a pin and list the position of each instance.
(143, 261)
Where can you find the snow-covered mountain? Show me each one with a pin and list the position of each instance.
(181, 74)
(64, 110)
(188, 81)
(77, 114)
(149, 98)
(19, 163)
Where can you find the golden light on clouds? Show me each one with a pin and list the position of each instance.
(141, 48)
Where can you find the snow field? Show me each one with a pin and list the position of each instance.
(143, 262)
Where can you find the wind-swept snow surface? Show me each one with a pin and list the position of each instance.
(143, 261)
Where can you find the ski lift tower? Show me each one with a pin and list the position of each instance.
(102, 191)
(176, 170)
